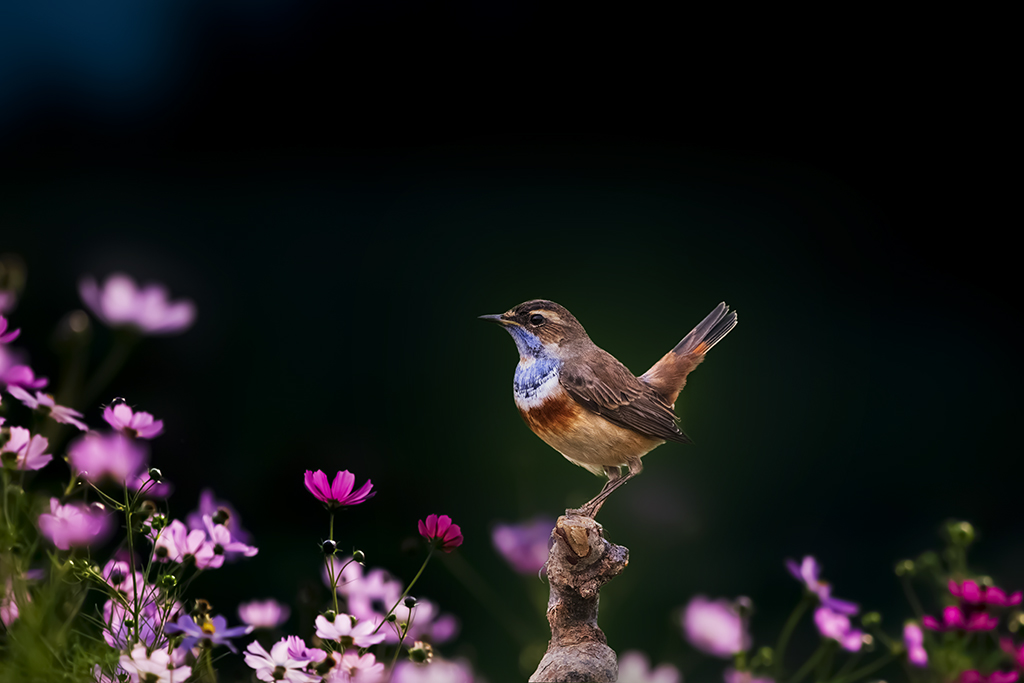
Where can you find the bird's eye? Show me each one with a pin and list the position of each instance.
(536, 319)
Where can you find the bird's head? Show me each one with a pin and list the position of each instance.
(540, 328)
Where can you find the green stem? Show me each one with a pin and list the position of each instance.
(866, 669)
(787, 631)
(811, 663)
(330, 567)
(409, 588)
(131, 559)
(7, 516)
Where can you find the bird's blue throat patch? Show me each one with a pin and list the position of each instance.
(531, 376)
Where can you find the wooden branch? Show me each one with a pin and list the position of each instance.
(579, 563)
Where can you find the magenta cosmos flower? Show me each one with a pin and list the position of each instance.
(5, 336)
(807, 573)
(22, 450)
(96, 456)
(74, 524)
(956, 619)
(441, 532)
(122, 418)
(832, 624)
(971, 593)
(120, 303)
(45, 404)
(524, 546)
(715, 627)
(974, 676)
(338, 492)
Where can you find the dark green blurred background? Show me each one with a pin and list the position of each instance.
(342, 189)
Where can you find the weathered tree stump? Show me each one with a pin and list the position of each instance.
(579, 563)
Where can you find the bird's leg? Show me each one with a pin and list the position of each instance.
(615, 480)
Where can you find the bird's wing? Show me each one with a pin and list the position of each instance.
(609, 389)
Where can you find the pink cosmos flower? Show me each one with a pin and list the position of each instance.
(153, 667)
(338, 492)
(913, 638)
(832, 624)
(342, 630)
(120, 625)
(263, 613)
(953, 619)
(441, 671)
(210, 505)
(807, 572)
(1017, 653)
(45, 404)
(634, 667)
(120, 303)
(5, 336)
(440, 531)
(974, 676)
(973, 594)
(298, 649)
(123, 419)
(96, 456)
(524, 546)
(24, 451)
(177, 543)
(75, 524)
(345, 573)
(119, 575)
(22, 376)
(353, 668)
(222, 543)
(279, 664)
(731, 675)
(715, 627)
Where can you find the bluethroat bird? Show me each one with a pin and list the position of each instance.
(586, 404)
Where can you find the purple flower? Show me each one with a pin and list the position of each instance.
(954, 619)
(149, 487)
(807, 573)
(119, 575)
(22, 450)
(123, 419)
(832, 624)
(440, 531)
(338, 492)
(297, 649)
(120, 303)
(279, 664)
(524, 546)
(263, 613)
(222, 543)
(715, 627)
(351, 667)
(913, 638)
(211, 633)
(75, 524)
(209, 505)
(342, 629)
(119, 624)
(157, 666)
(22, 376)
(634, 667)
(96, 456)
(369, 597)
(5, 336)
(971, 593)
(179, 544)
(44, 404)
(9, 602)
(974, 676)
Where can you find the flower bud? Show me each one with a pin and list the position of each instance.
(391, 618)
(158, 522)
(167, 581)
(221, 516)
(960, 533)
(869, 642)
(421, 652)
(763, 658)
(330, 615)
(410, 602)
(201, 608)
(329, 547)
(359, 556)
(323, 667)
(744, 606)
(156, 475)
(871, 619)
(1015, 621)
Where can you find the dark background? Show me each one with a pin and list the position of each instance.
(342, 188)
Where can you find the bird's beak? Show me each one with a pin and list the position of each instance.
(499, 318)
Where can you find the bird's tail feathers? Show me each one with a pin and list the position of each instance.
(708, 332)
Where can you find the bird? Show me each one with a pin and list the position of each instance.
(587, 405)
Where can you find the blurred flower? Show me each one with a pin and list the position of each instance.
(438, 671)
(221, 543)
(525, 545)
(715, 627)
(119, 623)
(339, 492)
(264, 613)
(5, 336)
(350, 667)
(24, 451)
(123, 419)
(342, 630)
(44, 404)
(634, 667)
(971, 593)
(372, 595)
(119, 575)
(440, 530)
(212, 632)
(153, 667)
(913, 638)
(832, 624)
(8, 300)
(9, 603)
(425, 623)
(994, 677)
(149, 487)
(121, 303)
(96, 456)
(14, 372)
(278, 664)
(345, 572)
(178, 543)
(807, 573)
(731, 675)
(210, 505)
(953, 619)
(74, 524)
